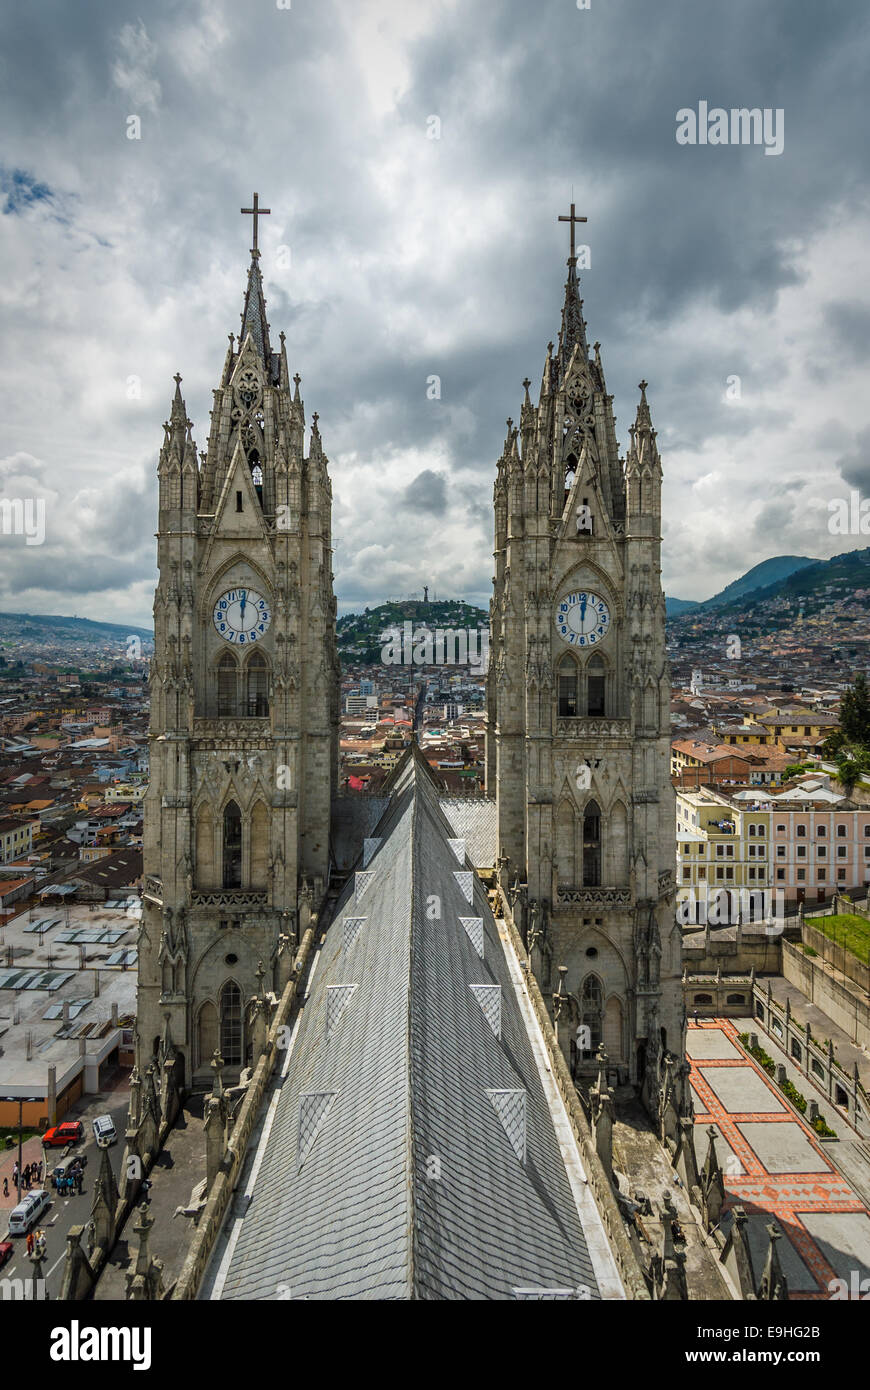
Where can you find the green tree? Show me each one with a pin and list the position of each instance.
(851, 766)
(855, 713)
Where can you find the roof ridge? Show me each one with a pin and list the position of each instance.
(409, 1086)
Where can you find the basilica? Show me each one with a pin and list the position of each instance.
(432, 1039)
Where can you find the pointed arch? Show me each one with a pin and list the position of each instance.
(231, 857)
(259, 845)
(227, 685)
(617, 845)
(566, 844)
(614, 1031)
(592, 1010)
(596, 686)
(591, 845)
(231, 1024)
(256, 686)
(567, 673)
(207, 1033)
(204, 849)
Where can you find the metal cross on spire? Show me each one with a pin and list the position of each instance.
(572, 218)
(256, 212)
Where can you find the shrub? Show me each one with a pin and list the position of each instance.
(792, 1093)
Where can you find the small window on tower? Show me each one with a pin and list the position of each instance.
(567, 672)
(239, 502)
(595, 686)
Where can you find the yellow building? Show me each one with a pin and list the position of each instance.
(721, 847)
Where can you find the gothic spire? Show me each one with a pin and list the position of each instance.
(254, 311)
(573, 330)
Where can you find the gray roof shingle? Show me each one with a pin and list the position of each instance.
(412, 1184)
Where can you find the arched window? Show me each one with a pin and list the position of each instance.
(591, 1000)
(592, 845)
(257, 675)
(231, 1024)
(567, 671)
(204, 845)
(232, 857)
(566, 846)
(227, 683)
(595, 686)
(256, 475)
(208, 1039)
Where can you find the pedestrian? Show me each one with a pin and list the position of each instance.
(40, 1242)
(39, 1171)
(30, 1242)
(78, 1180)
(15, 1182)
(5, 1187)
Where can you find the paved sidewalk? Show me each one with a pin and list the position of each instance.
(31, 1152)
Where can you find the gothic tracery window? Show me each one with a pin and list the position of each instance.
(592, 845)
(591, 1010)
(226, 686)
(567, 671)
(231, 1024)
(232, 846)
(257, 676)
(595, 686)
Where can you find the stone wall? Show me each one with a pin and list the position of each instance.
(812, 1058)
(835, 953)
(843, 1006)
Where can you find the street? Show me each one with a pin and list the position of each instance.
(65, 1211)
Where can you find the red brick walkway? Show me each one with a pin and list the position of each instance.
(781, 1195)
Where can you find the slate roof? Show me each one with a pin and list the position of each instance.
(474, 818)
(398, 1165)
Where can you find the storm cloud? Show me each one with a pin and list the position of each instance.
(415, 158)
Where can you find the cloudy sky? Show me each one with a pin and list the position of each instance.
(391, 257)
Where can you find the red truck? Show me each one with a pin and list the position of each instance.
(68, 1133)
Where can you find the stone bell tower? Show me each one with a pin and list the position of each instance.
(579, 706)
(244, 707)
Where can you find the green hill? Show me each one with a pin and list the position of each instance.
(360, 635)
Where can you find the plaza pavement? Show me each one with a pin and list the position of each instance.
(775, 1166)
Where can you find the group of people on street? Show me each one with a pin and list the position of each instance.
(72, 1179)
(36, 1241)
(30, 1176)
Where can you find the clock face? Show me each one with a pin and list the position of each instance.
(582, 618)
(241, 616)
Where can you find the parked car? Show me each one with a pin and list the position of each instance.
(68, 1133)
(61, 1171)
(104, 1131)
(28, 1212)
(6, 1251)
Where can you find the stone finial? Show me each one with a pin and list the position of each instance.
(773, 1287)
(601, 1059)
(217, 1066)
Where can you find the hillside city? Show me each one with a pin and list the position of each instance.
(772, 822)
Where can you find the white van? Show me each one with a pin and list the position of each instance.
(104, 1131)
(28, 1212)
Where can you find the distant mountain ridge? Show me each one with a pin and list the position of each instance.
(765, 575)
(54, 627)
